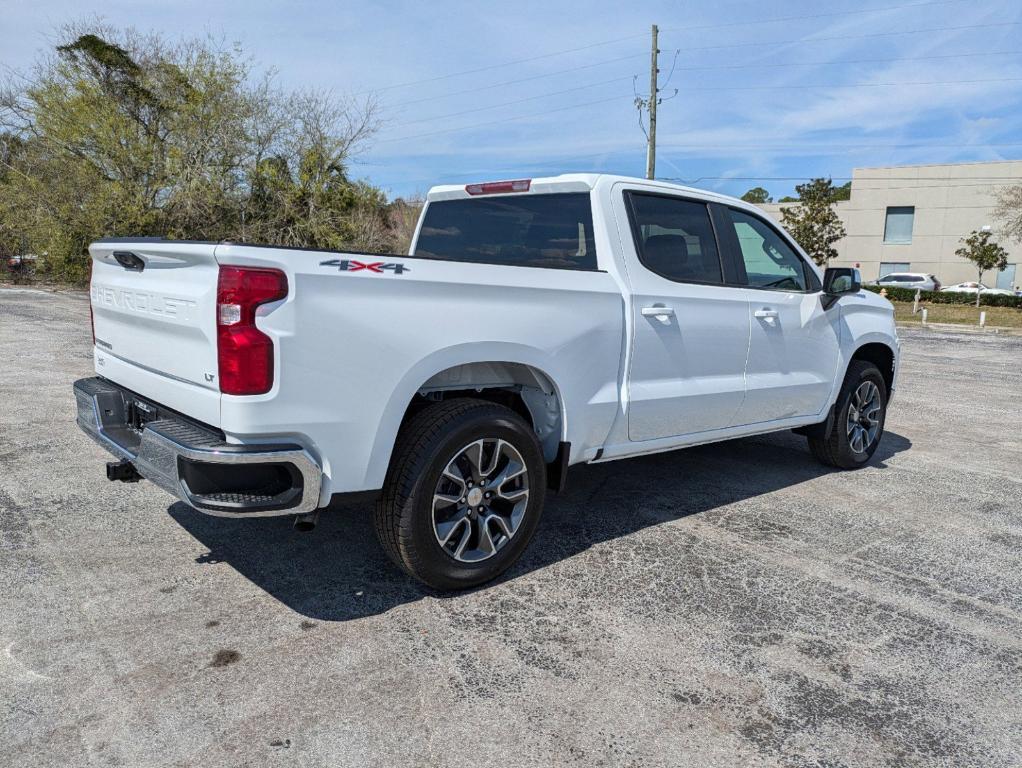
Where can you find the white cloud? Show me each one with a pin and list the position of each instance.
(770, 131)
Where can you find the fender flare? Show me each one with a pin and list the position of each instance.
(435, 363)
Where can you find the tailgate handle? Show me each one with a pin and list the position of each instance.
(130, 261)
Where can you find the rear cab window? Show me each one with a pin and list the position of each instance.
(552, 231)
(674, 238)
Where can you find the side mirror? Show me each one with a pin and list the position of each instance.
(839, 281)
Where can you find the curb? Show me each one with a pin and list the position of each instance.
(960, 328)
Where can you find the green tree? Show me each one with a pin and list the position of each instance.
(844, 192)
(985, 255)
(404, 217)
(120, 133)
(814, 222)
(757, 195)
(839, 194)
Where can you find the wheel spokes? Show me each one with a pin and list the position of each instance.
(460, 549)
(474, 454)
(480, 499)
(501, 523)
(445, 500)
(486, 545)
(864, 412)
(444, 531)
(453, 472)
(494, 459)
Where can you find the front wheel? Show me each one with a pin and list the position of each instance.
(858, 419)
(463, 494)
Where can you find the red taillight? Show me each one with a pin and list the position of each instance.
(244, 353)
(496, 187)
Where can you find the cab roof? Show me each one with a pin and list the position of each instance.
(575, 182)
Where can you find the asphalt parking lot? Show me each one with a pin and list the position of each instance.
(728, 605)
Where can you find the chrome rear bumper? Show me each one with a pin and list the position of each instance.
(193, 462)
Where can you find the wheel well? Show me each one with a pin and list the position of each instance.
(882, 356)
(526, 390)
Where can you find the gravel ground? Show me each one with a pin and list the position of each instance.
(728, 605)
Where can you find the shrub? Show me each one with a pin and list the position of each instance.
(947, 297)
(119, 133)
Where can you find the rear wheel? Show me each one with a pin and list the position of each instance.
(858, 419)
(463, 494)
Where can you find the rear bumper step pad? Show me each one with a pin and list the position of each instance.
(194, 462)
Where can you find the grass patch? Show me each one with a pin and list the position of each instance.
(1004, 317)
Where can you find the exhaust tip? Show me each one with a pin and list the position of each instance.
(305, 523)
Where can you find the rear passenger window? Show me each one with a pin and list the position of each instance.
(675, 239)
(554, 231)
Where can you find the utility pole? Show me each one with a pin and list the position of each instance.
(653, 98)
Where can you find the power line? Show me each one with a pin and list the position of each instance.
(802, 17)
(838, 86)
(708, 67)
(909, 145)
(511, 103)
(843, 61)
(491, 86)
(853, 37)
(510, 118)
(742, 45)
(835, 86)
(528, 166)
(552, 54)
(490, 67)
(524, 169)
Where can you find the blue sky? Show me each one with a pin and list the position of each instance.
(767, 90)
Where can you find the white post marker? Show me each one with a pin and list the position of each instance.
(924, 315)
(915, 302)
(982, 319)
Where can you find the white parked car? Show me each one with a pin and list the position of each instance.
(534, 324)
(973, 287)
(910, 280)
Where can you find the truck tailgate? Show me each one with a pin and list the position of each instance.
(154, 315)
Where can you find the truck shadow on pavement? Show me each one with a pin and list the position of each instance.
(339, 572)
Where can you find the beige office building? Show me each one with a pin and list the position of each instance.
(910, 218)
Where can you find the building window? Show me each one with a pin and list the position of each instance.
(1006, 278)
(890, 267)
(898, 227)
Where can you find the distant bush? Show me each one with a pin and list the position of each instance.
(947, 297)
(115, 132)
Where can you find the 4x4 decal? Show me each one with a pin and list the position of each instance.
(350, 265)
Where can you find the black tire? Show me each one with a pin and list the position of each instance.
(404, 514)
(836, 449)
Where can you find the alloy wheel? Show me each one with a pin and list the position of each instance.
(864, 417)
(480, 500)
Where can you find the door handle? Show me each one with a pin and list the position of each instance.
(769, 314)
(663, 314)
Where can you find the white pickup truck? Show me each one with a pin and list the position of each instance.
(534, 324)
